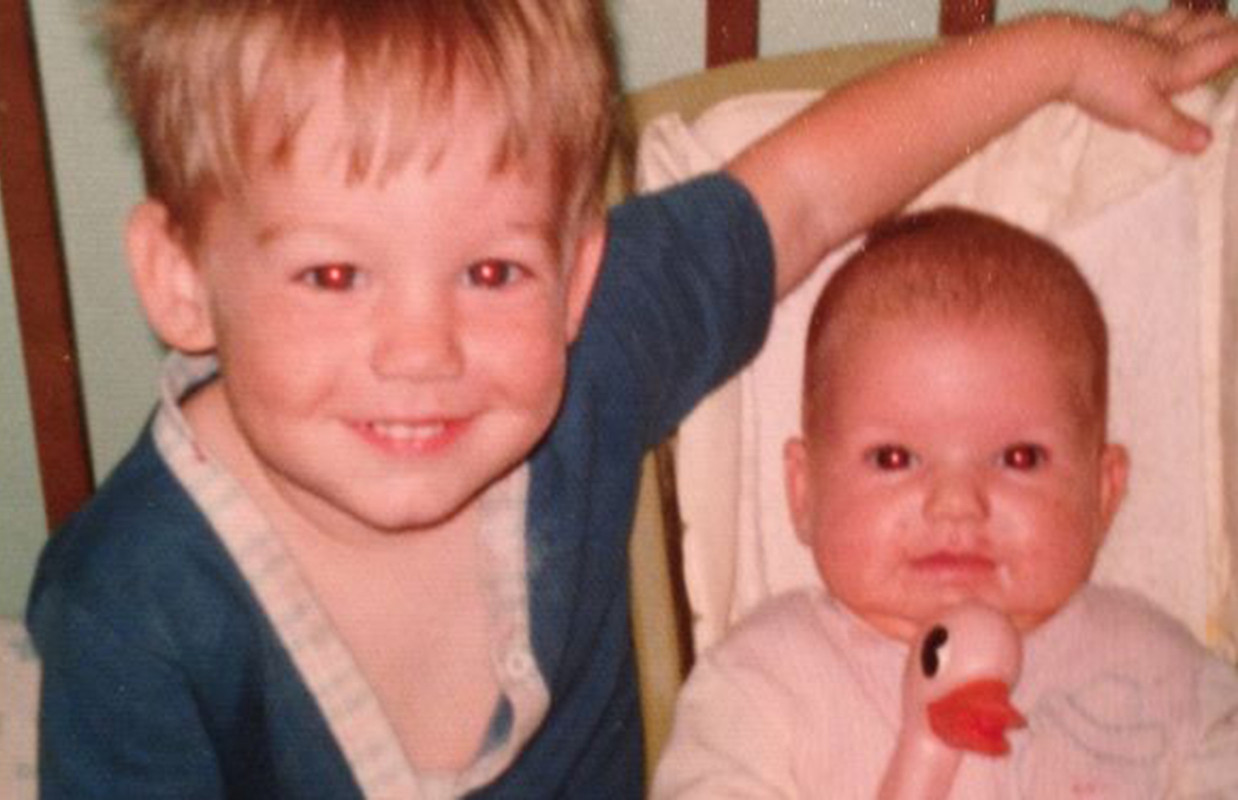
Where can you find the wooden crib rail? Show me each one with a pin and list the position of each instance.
(732, 26)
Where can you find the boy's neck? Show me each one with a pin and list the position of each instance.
(411, 609)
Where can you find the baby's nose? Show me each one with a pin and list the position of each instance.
(956, 493)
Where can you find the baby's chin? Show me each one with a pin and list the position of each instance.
(903, 628)
(910, 624)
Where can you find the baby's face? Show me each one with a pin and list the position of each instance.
(391, 346)
(949, 462)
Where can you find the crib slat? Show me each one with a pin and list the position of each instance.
(731, 26)
(961, 17)
(39, 278)
(730, 31)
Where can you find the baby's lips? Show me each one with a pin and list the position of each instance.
(975, 717)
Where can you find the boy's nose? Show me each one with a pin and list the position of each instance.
(418, 340)
(956, 494)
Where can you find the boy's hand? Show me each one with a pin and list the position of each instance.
(868, 147)
(1126, 73)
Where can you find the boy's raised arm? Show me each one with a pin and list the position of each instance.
(868, 148)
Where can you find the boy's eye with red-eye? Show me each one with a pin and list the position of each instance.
(891, 457)
(493, 274)
(1024, 456)
(338, 277)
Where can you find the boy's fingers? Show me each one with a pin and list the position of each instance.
(1203, 26)
(1177, 130)
(1200, 60)
(1168, 22)
(1133, 18)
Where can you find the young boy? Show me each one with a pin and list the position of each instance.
(374, 539)
(954, 450)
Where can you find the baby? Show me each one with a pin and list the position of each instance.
(954, 450)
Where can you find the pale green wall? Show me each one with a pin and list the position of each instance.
(97, 180)
(789, 26)
(658, 39)
(22, 528)
(661, 40)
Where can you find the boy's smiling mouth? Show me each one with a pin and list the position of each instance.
(420, 437)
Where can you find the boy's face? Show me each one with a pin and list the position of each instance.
(391, 346)
(950, 461)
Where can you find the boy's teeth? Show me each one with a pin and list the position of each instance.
(405, 431)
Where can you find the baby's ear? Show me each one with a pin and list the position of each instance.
(795, 472)
(586, 263)
(1114, 470)
(168, 282)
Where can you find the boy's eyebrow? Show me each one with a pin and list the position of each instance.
(539, 227)
(270, 232)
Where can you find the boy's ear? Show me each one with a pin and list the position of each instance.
(168, 281)
(585, 266)
(795, 472)
(1114, 471)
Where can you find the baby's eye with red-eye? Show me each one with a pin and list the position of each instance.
(1024, 456)
(338, 277)
(493, 273)
(891, 457)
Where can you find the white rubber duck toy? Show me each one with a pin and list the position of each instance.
(956, 690)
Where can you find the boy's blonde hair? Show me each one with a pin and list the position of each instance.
(194, 74)
(954, 264)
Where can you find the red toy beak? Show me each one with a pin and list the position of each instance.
(975, 717)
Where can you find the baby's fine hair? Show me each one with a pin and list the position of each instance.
(952, 264)
(194, 74)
